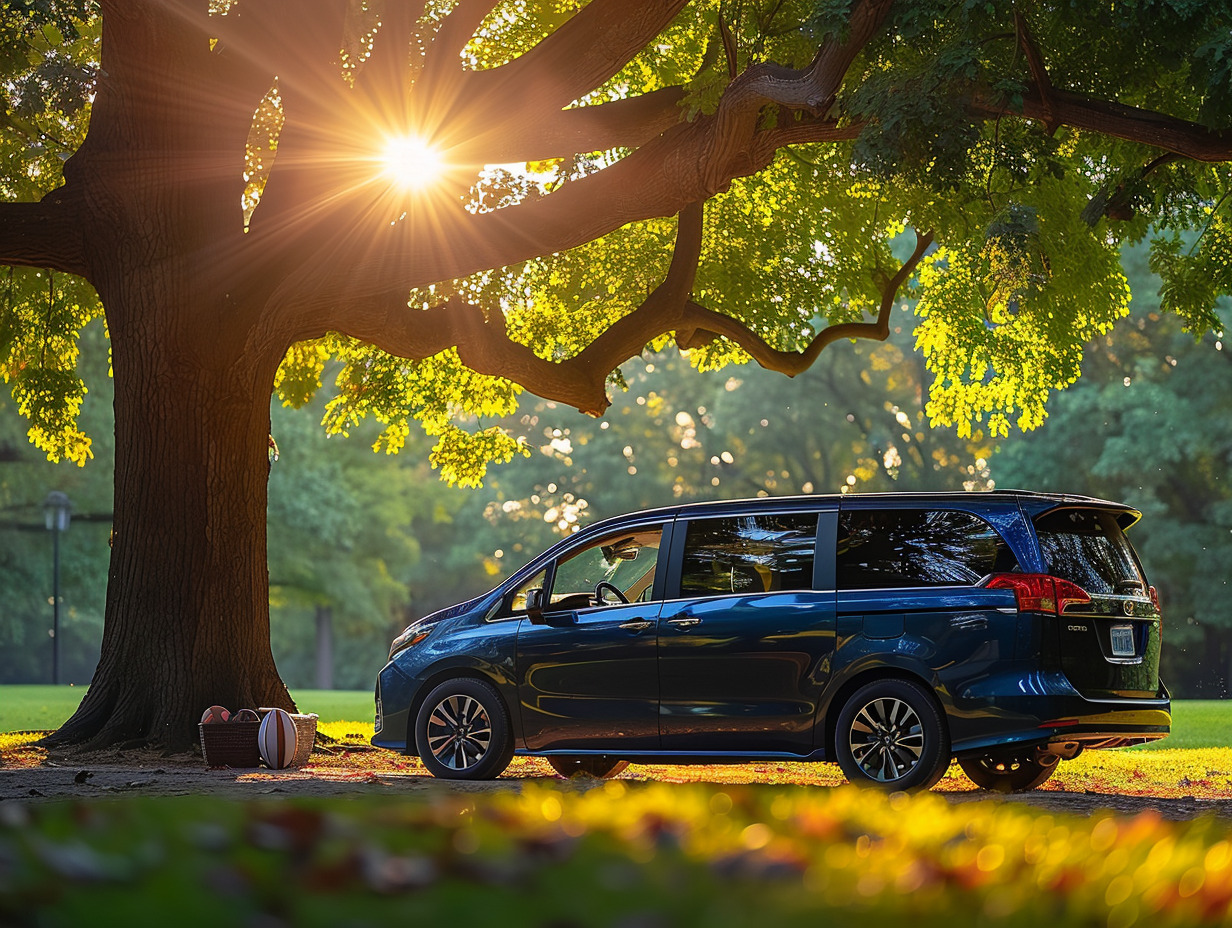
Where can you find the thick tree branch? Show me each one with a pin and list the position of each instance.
(443, 62)
(811, 90)
(629, 336)
(702, 325)
(240, 67)
(627, 123)
(1117, 120)
(686, 164)
(1054, 108)
(301, 41)
(483, 343)
(769, 141)
(44, 234)
(585, 52)
(1035, 62)
(385, 75)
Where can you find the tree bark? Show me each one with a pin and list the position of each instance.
(187, 601)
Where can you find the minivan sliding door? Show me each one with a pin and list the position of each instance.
(747, 632)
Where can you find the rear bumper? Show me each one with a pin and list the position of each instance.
(1116, 728)
(1050, 711)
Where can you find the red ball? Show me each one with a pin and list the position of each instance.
(215, 714)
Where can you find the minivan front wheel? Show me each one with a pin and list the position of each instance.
(462, 731)
(1010, 771)
(892, 734)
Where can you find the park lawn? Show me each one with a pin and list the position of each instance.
(1196, 760)
(613, 854)
(1196, 723)
(39, 708)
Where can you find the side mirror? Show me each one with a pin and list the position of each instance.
(534, 606)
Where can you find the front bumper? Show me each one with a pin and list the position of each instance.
(394, 692)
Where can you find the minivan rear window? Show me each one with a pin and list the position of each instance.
(883, 548)
(1087, 547)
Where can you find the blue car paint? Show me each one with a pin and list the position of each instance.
(970, 646)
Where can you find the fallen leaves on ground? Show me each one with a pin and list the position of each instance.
(617, 854)
(1200, 773)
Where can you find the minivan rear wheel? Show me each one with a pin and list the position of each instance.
(892, 734)
(462, 731)
(1010, 771)
(596, 765)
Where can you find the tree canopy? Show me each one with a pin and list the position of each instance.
(1011, 136)
(463, 200)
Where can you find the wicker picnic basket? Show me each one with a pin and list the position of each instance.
(305, 734)
(230, 744)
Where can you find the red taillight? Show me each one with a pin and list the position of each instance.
(1040, 592)
(1070, 594)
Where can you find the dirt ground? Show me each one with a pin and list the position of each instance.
(64, 776)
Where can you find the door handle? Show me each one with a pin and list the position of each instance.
(685, 621)
(636, 625)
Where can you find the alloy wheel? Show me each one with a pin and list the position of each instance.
(886, 739)
(459, 732)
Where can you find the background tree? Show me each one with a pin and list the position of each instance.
(226, 204)
(340, 551)
(1151, 424)
(26, 477)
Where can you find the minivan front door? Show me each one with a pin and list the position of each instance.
(590, 677)
(588, 666)
(745, 647)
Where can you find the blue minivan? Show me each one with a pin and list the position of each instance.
(887, 632)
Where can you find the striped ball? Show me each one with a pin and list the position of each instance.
(214, 714)
(277, 739)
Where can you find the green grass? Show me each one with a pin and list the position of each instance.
(1196, 723)
(24, 708)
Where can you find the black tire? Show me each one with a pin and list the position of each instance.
(1010, 771)
(892, 734)
(462, 731)
(596, 765)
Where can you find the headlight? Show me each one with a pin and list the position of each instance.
(411, 636)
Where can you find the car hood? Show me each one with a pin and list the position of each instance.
(449, 612)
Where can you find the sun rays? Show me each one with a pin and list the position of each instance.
(411, 163)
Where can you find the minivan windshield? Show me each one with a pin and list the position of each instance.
(1087, 547)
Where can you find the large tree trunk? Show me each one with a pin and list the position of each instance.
(187, 622)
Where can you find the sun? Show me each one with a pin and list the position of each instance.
(412, 163)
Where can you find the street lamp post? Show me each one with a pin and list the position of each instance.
(56, 510)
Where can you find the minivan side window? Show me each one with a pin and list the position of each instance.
(749, 554)
(626, 560)
(882, 548)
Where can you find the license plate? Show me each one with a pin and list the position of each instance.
(1123, 641)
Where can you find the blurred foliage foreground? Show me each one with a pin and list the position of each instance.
(616, 854)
